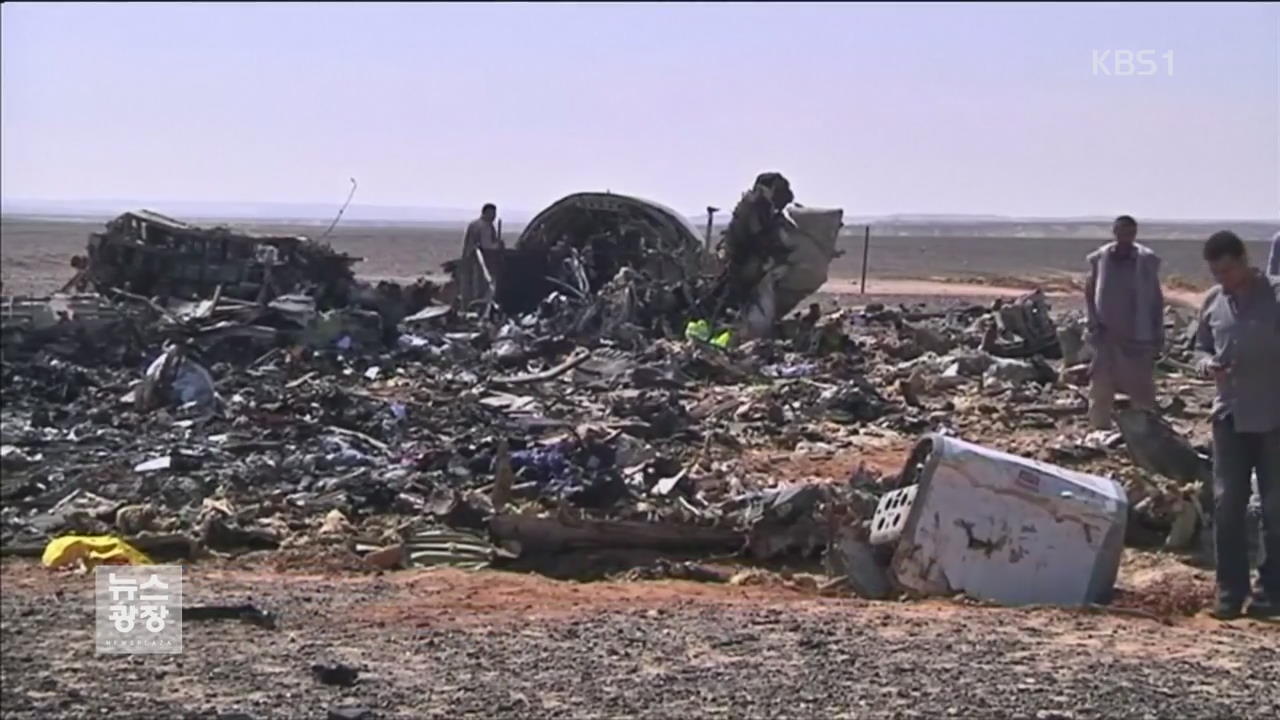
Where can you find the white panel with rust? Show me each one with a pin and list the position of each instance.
(1010, 530)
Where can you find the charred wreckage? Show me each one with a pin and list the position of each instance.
(620, 264)
(624, 390)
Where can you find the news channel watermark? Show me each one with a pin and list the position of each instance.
(138, 609)
(1121, 62)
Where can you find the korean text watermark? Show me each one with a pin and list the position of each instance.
(138, 609)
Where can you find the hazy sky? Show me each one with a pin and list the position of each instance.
(874, 108)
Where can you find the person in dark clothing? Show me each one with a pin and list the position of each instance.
(753, 241)
(480, 240)
(1238, 343)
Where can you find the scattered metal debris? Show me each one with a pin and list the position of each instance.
(1157, 447)
(615, 267)
(148, 254)
(259, 402)
(245, 613)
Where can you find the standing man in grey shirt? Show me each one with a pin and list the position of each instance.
(1239, 347)
(1125, 306)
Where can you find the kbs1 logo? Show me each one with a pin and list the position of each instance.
(1132, 63)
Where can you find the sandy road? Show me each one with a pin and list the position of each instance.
(971, 289)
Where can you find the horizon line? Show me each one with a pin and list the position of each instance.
(314, 212)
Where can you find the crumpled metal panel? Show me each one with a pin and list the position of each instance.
(810, 235)
(1009, 529)
(46, 312)
(1159, 448)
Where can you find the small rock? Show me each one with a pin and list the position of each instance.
(133, 519)
(335, 523)
(335, 674)
(854, 558)
(387, 558)
(350, 713)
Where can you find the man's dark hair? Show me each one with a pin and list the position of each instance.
(1127, 220)
(489, 206)
(1223, 243)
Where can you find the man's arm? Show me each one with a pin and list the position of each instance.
(469, 241)
(1090, 293)
(1204, 347)
(1273, 262)
(1158, 291)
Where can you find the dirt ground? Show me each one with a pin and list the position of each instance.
(445, 643)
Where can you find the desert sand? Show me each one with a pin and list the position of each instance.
(36, 253)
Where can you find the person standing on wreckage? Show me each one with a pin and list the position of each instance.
(480, 240)
(1238, 345)
(1125, 306)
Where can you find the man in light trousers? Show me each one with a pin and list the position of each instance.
(1125, 307)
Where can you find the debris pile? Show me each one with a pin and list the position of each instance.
(148, 254)
(589, 428)
(611, 267)
(776, 254)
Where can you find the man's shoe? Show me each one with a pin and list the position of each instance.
(1226, 610)
(1264, 607)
